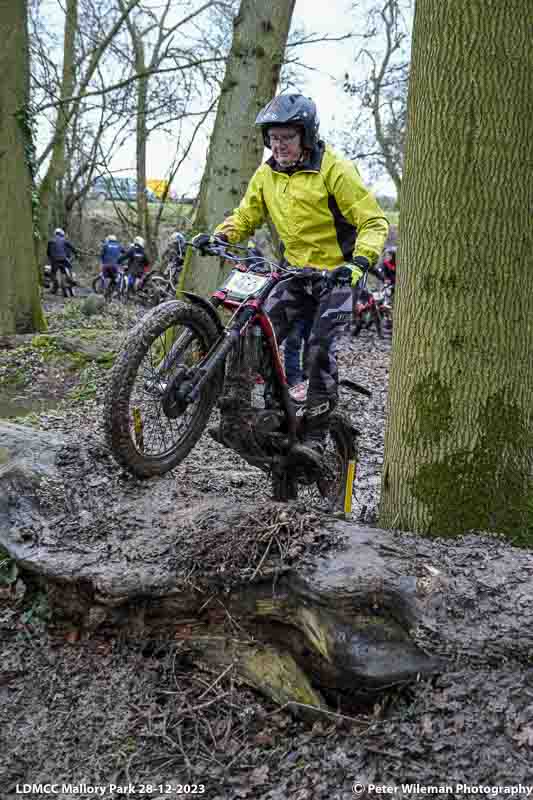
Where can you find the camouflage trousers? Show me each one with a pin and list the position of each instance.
(313, 297)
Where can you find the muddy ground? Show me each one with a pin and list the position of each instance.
(101, 710)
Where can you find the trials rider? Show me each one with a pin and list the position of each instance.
(326, 220)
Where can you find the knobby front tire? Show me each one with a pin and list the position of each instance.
(141, 437)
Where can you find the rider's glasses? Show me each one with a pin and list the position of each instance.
(285, 139)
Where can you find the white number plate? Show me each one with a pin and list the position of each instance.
(244, 284)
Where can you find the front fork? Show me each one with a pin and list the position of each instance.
(191, 390)
(186, 386)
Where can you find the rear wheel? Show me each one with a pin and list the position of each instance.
(110, 286)
(161, 288)
(154, 290)
(284, 487)
(333, 489)
(147, 431)
(65, 282)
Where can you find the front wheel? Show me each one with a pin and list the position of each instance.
(124, 289)
(147, 433)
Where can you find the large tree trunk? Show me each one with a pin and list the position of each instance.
(459, 445)
(252, 73)
(20, 307)
(56, 167)
(141, 134)
(143, 222)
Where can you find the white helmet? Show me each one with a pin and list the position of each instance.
(139, 240)
(59, 232)
(111, 238)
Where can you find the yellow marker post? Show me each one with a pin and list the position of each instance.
(138, 428)
(348, 492)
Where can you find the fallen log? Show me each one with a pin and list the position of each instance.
(305, 608)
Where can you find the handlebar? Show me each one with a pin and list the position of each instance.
(220, 248)
(223, 249)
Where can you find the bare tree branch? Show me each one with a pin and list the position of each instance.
(130, 80)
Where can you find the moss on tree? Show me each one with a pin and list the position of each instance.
(460, 489)
(433, 408)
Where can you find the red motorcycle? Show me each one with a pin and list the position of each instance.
(374, 307)
(366, 312)
(180, 360)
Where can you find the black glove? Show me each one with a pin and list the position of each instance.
(204, 241)
(350, 272)
(361, 262)
(341, 275)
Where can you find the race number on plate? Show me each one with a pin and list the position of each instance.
(244, 284)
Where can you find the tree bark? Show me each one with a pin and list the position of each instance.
(143, 223)
(459, 444)
(252, 74)
(56, 167)
(144, 227)
(20, 307)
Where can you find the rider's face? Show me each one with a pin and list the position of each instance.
(286, 144)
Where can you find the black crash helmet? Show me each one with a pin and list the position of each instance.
(290, 109)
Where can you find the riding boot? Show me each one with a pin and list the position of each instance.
(312, 449)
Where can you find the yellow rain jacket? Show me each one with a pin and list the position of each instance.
(322, 211)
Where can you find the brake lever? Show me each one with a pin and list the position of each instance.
(210, 250)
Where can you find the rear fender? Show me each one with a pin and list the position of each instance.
(208, 307)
